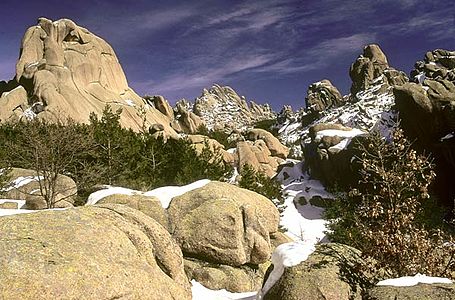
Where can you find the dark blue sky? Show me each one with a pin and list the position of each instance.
(267, 50)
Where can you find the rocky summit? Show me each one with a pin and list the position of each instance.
(64, 70)
(221, 107)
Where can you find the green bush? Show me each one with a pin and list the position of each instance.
(261, 184)
(383, 214)
(267, 125)
(218, 135)
(103, 152)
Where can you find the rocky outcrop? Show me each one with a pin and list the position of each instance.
(220, 107)
(371, 65)
(67, 71)
(328, 155)
(256, 155)
(321, 96)
(419, 292)
(25, 185)
(244, 221)
(430, 98)
(427, 112)
(130, 256)
(324, 275)
(273, 144)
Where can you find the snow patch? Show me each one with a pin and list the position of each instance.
(413, 280)
(164, 194)
(108, 191)
(285, 255)
(21, 181)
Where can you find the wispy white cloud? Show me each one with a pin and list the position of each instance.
(436, 25)
(207, 75)
(321, 55)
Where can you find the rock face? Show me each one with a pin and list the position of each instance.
(46, 255)
(150, 206)
(273, 144)
(370, 66)
(319, 277)
(418, 292)
(244, 221)
(68, 71)
(25, 186)
(322, 95)
(427, 112)
(221, 107)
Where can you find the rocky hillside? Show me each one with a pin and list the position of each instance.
(64, 70)
(220, 107)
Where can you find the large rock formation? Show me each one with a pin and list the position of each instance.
(105, 252)
(220, 107)
(65, 70)
(427, 113)
(244, 221)
(369, 66)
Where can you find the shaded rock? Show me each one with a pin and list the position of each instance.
(244, 220)
(234, 279)
(321, 96)
(418, 292)
(25, 186)
(324, 275)
(149, 205)
(130, 256)
(163, 106)
(427, 112)
(156, 128)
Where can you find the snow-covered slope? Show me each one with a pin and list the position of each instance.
(371, 109)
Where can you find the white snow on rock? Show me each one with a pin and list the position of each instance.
(447, 136)
(164, 194)
(107, 191)
(285, 255)
(200, 292)
(371, 110)
(21, 181)
(413, 280)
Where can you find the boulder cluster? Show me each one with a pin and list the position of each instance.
(218, 234)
